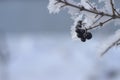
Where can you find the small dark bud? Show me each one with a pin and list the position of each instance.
(102, 14)
(82, 8)
(101, 24)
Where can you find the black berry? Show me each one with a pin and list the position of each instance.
(83, 39)
(82, 8)
(83, 34)
(79, 35)
(80, 31)
(88, 35)
(77, 30)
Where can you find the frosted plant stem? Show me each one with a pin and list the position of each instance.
(81, 8)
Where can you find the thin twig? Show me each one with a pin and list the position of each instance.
(91, 5)
(117, 12)
(112, 5)
(97, 20)
(100, 24)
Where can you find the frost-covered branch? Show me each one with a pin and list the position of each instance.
(88, 15)
(94, 10)
(82, 8)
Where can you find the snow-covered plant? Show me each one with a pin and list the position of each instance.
(89, 15)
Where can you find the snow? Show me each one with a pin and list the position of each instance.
(54, 8)
(73, 27)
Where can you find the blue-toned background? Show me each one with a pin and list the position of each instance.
(39, 44)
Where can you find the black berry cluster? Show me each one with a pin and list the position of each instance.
(83, 34)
